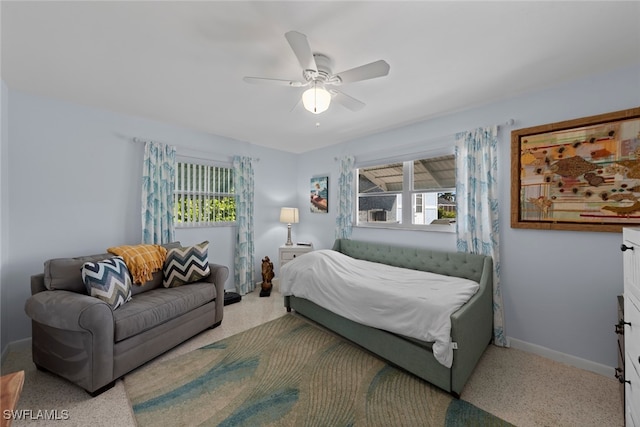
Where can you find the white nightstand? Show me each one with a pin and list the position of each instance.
(287, 253)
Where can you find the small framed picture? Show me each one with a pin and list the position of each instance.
(319, 193)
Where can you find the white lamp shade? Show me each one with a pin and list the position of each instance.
(289, 215)
(316, 99)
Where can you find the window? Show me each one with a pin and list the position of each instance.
(204, 195)
(409, 194)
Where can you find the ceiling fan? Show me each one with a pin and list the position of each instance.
(317, 74)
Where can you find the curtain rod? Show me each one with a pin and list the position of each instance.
(137, 140)
(509, 122)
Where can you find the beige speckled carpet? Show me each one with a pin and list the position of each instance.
(288, 372)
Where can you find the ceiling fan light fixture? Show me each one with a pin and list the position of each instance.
(316, 99)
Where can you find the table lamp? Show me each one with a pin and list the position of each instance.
(289, 216)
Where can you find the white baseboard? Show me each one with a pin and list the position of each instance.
(588, 365)
(18, 345)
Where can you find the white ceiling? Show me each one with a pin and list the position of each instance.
(183, 62)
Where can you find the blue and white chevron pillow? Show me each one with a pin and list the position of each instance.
(108, 280)
(186, 265)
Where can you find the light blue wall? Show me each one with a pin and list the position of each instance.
(74, 189)
(4, 219)
(559, 287)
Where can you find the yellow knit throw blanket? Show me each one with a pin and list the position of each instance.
(141, 260)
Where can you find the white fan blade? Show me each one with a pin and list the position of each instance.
(346, 101)
(300, 46)
(364, 72)
(279, 82)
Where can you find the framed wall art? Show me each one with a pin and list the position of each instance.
(319, 193)
(581, 174)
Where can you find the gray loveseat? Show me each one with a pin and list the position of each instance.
(82, 339)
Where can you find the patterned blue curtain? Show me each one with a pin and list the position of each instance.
(344, 218)
(158, 180)
(243, 271)
(477, 200)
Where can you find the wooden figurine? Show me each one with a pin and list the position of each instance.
(267, 275)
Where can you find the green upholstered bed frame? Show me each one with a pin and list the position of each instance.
(471, 325)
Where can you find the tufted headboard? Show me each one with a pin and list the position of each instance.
(458, 264)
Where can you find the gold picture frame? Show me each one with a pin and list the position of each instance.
(581, 174)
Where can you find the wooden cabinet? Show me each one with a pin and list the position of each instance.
(631, 325)
(11, 387)
(288, 253)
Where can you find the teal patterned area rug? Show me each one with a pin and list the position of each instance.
(289, 372)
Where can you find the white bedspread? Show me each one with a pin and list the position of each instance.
(412, 303)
